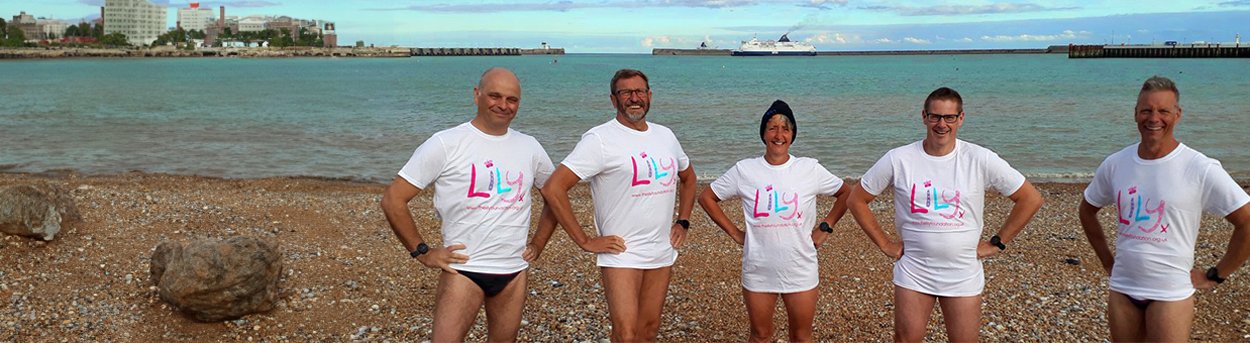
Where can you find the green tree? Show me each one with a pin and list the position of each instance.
(71, 31)
(97, 31)
(195, 34)
(115, 39)
(3, 28)
(14, 37)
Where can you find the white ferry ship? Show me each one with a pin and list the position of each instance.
(779, 47)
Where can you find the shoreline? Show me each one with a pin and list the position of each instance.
(346, 276)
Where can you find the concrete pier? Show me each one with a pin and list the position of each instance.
(484, 51)
(1159, 51)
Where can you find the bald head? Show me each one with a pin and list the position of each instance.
(497, 95)
(498, 74)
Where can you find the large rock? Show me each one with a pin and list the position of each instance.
(214, 280)
(36, 211)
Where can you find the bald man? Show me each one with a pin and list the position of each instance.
(482, 172)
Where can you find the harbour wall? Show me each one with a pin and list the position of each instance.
(1157, 51)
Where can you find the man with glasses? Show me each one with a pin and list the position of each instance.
(1160, 187)
(637, 170)
(939, 188)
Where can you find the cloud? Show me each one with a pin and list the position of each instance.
(914, 40)
(1235, 3)
(228, 3)
(946, 10)
(675, 41)
(834, 38)
(1066, 34)
(884, 41)
(823, 4)
(964, 40)
(96, 3)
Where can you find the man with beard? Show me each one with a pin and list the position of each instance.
(482, 172)
(939, 188)
(636, 171)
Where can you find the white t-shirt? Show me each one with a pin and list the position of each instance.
(1159, 204)
(633, 180)
(482, 192)
(779, 204)
(938, 208)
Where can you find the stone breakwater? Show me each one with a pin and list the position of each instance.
(41, 53)
(346, 278)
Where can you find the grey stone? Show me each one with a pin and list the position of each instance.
(36, 211)
(214, 280)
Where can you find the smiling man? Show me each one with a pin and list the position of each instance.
(482, 172)
(1160, 188)
(636, 170)
(939, 188)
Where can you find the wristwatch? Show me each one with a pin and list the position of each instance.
(998, 242)
(1213, 274)
(685, 224)
(421, 250)
(824, 227)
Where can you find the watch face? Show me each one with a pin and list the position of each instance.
(422, 248)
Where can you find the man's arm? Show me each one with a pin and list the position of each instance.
(1027, 201)
(556, 195)
(546, 227)
(1238, 248)
(1088, 214)
(686, 187)
(858, 205)
(395, 206)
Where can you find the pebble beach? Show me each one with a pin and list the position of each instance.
(346, 277)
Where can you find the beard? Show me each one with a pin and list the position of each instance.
(634, 118)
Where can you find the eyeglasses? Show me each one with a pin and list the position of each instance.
(948, 118)
(625, 93)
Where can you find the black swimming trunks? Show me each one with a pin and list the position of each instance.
(491, 284)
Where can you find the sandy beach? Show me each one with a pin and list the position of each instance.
(347, 278)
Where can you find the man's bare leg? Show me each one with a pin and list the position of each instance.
(503, 311)
(801, 311)
(1170, 321)
(1127, 322)
(621, 286)
(456, 303)
(911, 314)
(963, 318)
(760, 309)
(651, 301)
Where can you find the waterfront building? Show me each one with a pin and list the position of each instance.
(28, 25)
(194, 17)
(252, 23)
(140, 20)
(50, 29)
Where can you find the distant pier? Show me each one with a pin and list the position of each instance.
(485, 51)
(1159, 51)
(728, 52)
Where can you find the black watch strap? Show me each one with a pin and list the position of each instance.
(685, 224)
(998, 242)
(824, 227)
(421, 250)
(1213, 274)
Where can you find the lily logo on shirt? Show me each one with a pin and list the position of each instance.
(936, 201)
(778, 203)
(1133, 213)
(499, 182)
(652, 170)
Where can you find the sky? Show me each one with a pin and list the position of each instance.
(637, 26)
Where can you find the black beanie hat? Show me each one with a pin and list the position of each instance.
(779, 107)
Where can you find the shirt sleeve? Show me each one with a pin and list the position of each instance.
(880, 176)
(1002, 177)
(586, 159)
(426, 163)
(1098, 193)
(542, 166)
(726, 186)
(683, 161)
(1221, 195)
(827, 183)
